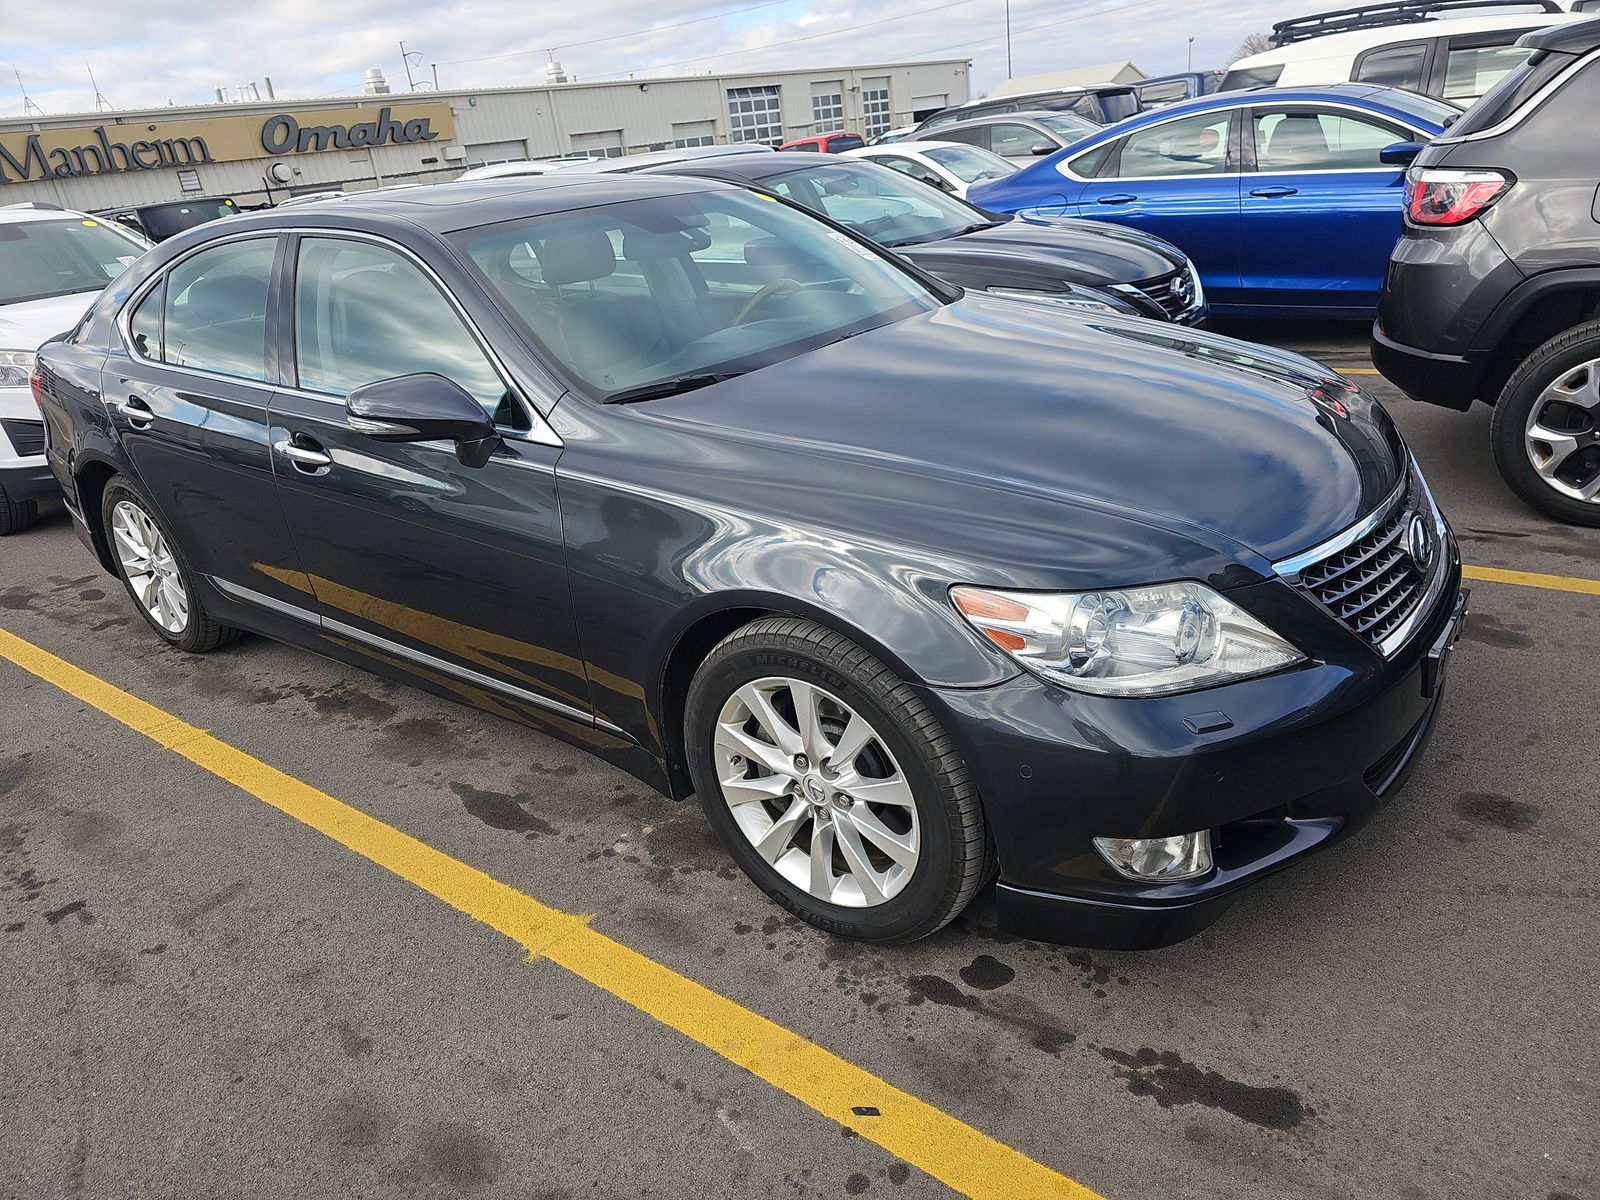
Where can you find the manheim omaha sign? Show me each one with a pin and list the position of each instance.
(75, 152)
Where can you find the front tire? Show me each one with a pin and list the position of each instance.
(153, 570)
(1546, 427)
(16, 515)
(832, 785)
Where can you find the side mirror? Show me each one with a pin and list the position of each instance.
(423, 408)
(1039, 149)
(1400, 154)
(935, 181)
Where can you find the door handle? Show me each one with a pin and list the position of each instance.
(1116, 198)
(305, 458)
(137, 412)
(1272, 193)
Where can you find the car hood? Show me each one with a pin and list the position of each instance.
(1007, 414)
(31, 323)
(1089, 252)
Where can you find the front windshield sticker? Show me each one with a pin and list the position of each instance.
(853, 247)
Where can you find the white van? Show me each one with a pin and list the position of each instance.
(1403, 45)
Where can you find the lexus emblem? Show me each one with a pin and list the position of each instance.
(1419, 542)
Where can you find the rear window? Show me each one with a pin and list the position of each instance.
(162, 221)
(1117, 105)
(1251, 77)
(1423, 108)
(1514, 90)
(848, 142)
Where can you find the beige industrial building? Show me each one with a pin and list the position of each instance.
(263, 151)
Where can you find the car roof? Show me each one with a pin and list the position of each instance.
(751, 167)
(1574, 37)
(446, 208)
(1363, 95)
(29, 210)
(1025, 114)
(1353, 42)
(920, 146)
(649, 158)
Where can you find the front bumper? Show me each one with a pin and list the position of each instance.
(1308, 757)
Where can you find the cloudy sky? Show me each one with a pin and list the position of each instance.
(147, 52)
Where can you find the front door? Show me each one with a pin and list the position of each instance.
(1321, 213)
(1179, 180)
(450, 573)
(189, 397)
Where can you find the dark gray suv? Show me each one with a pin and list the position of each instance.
(1493, 293)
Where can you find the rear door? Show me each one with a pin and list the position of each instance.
(454, 574)
(188, 392)
(1178, 179)
(1320, 212)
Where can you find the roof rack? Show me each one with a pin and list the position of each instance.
(1396, 12)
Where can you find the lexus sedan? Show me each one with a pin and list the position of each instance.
(1077, 264)
(911, 588)
(1288, 200)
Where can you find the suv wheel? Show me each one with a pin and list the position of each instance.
(152, 568)
(16, 515)
(832, 785)
(1546, 427)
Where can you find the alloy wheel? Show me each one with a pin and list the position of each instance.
(1562, 436)
(149, 567)
(816, 790)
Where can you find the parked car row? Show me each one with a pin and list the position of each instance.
(912, 586)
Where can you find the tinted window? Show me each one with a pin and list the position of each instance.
(640, 291)
(941, 120)
(1195, 145)
(145, 324)
(1114, 106)
(1087, 166)
(1251, 77)
(803, 146)
(364, 313)
(216, 309)
(849, 142)
(1308, 141)
(1398, 66)
(1163, 93)
(972, 135)
(162, 221)
(58, 258)
(1470, 71)
(906, 166)
(1015, 141)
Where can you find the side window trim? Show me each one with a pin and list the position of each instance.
(538, 429)
(159, 280)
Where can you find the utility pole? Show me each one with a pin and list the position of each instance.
(1008, 39)
(406, 57)
(436, 77)
(29, 108)
(1190, 67)
(100, 102)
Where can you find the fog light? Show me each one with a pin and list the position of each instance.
(1158, 860)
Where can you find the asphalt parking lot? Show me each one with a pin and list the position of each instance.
(206, 996)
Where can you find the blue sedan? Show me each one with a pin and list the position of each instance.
(1288, 200)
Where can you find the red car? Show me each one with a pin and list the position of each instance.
(826, 143)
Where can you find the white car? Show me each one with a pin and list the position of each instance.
(1457, 59)
(948, 166)
(53, 263)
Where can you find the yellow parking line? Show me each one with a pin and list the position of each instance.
(951, 1151)
(1357, 370)
(1556, 583)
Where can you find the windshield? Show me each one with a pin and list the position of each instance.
(1425, 108)
(876, 201)
(970, 164)
(162, 221)
(625, 296)
(57, 258)
(1070, 127)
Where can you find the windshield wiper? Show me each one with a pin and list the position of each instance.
(674, 386)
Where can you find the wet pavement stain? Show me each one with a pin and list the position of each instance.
(986, 973)
(501, 810)
(1495, 811)
(1039, 1033)
(66, 910)
(460, 1155)
(351, 1042)
(1167, 1079)
(12, 772)
(1488, 630)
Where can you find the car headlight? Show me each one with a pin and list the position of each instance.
(1143, 641)
(15, 367)
(1077, 300)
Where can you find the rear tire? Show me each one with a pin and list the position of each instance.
(883, 839)
(1556, 392)
(16, 515)
(156, 574)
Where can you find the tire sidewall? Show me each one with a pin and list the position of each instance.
(908, 912)
(1507, 428)
(116, 491)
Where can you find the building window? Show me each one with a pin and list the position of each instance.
(693, 133)
(754, 115)
(876, 115)
(607, 143)
(827, 107)
(189, 182)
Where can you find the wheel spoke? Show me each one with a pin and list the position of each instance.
(145, 586)
(783, 735)
(754, 791)
(731, 739)
(807, 701)
(899, 846)
(781, 836)
(856, 737)
(1584, 394)
(1562, 445)
(855, 854)
(894, 791)
(822, 860)
(174, 600)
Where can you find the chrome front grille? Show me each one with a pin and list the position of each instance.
(1174, 293)
(1370, 577)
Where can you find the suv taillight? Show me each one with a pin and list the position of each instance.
(1435, 196)
(36, 385)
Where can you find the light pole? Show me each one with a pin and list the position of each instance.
(1190, 67)
(1008, 39)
